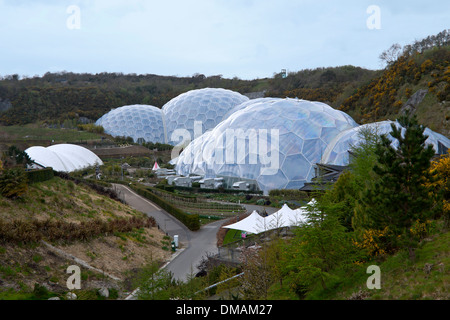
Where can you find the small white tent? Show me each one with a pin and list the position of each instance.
(285, 217)
(279, 219)
(254, 223)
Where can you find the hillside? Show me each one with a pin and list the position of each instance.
(64, 99)
(72, 218)
(426, 278)
(385, 96)
(57, 97)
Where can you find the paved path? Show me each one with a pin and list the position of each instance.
(193, 245)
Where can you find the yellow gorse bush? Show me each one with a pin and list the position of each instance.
(372, 241)
(441, 169)
(420, 229)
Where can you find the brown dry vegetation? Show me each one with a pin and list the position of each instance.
(119, 254)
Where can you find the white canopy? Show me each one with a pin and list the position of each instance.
(285, 217)
(63, 157)
(254, 223)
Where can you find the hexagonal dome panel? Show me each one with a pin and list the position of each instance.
(207, 106)
(136, 121)
(272, 141)
(337, 152)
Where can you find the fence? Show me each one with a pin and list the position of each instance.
(232, 252)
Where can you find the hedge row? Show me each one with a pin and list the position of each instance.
(219, 190)
(39, 175)
(20, 231)
(189, 220)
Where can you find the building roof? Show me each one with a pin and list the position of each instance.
(63, 157)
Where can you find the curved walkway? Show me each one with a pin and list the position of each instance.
(193, 245)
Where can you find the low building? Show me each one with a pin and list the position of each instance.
(241, 185)
(325, 176)
(182, 182)
(211, 183)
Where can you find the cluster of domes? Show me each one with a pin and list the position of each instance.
(275, 142)
(272, 141)
(203, 107)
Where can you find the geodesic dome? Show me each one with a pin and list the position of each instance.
(208, 106)
(63, 157)
(246, 104)
(337, 152)
(136, 121)
(275, 142)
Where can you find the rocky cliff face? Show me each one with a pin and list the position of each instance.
(414, 101)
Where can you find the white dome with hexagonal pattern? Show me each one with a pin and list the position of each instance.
(206, 106)
(338, 150)
(275, 142)
(136, 121)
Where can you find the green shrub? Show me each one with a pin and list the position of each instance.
(90, 127)
(40, 175)
(13, 183)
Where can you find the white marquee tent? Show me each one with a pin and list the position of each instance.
(254, 223)
(285, 217)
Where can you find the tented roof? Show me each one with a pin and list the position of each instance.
(63, 157)
(285, 217)
(254, 223)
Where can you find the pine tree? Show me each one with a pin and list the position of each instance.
(400, 196)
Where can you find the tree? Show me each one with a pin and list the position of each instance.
(400, 196)
(16, 157)
(391, 55)
(319, 248)
(351, 183)
(154, 283)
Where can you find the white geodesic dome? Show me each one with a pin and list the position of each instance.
(246, 104)
(136, 121)
(275, 142)
(206, 106)
(63, 157)
(337, 152)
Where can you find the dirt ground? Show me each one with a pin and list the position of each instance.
(23, 266)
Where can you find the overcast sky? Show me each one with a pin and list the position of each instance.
(243, 38)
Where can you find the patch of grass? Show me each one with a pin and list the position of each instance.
(425, 278)
(36, 132)
(232, 236)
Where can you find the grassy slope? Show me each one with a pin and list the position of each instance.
(37, 132)
(23, 265)
(425, 278)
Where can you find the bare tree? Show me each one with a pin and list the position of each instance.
(389, 56)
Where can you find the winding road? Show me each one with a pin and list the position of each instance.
(193, 245)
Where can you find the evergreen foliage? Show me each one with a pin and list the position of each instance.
(400, 196)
